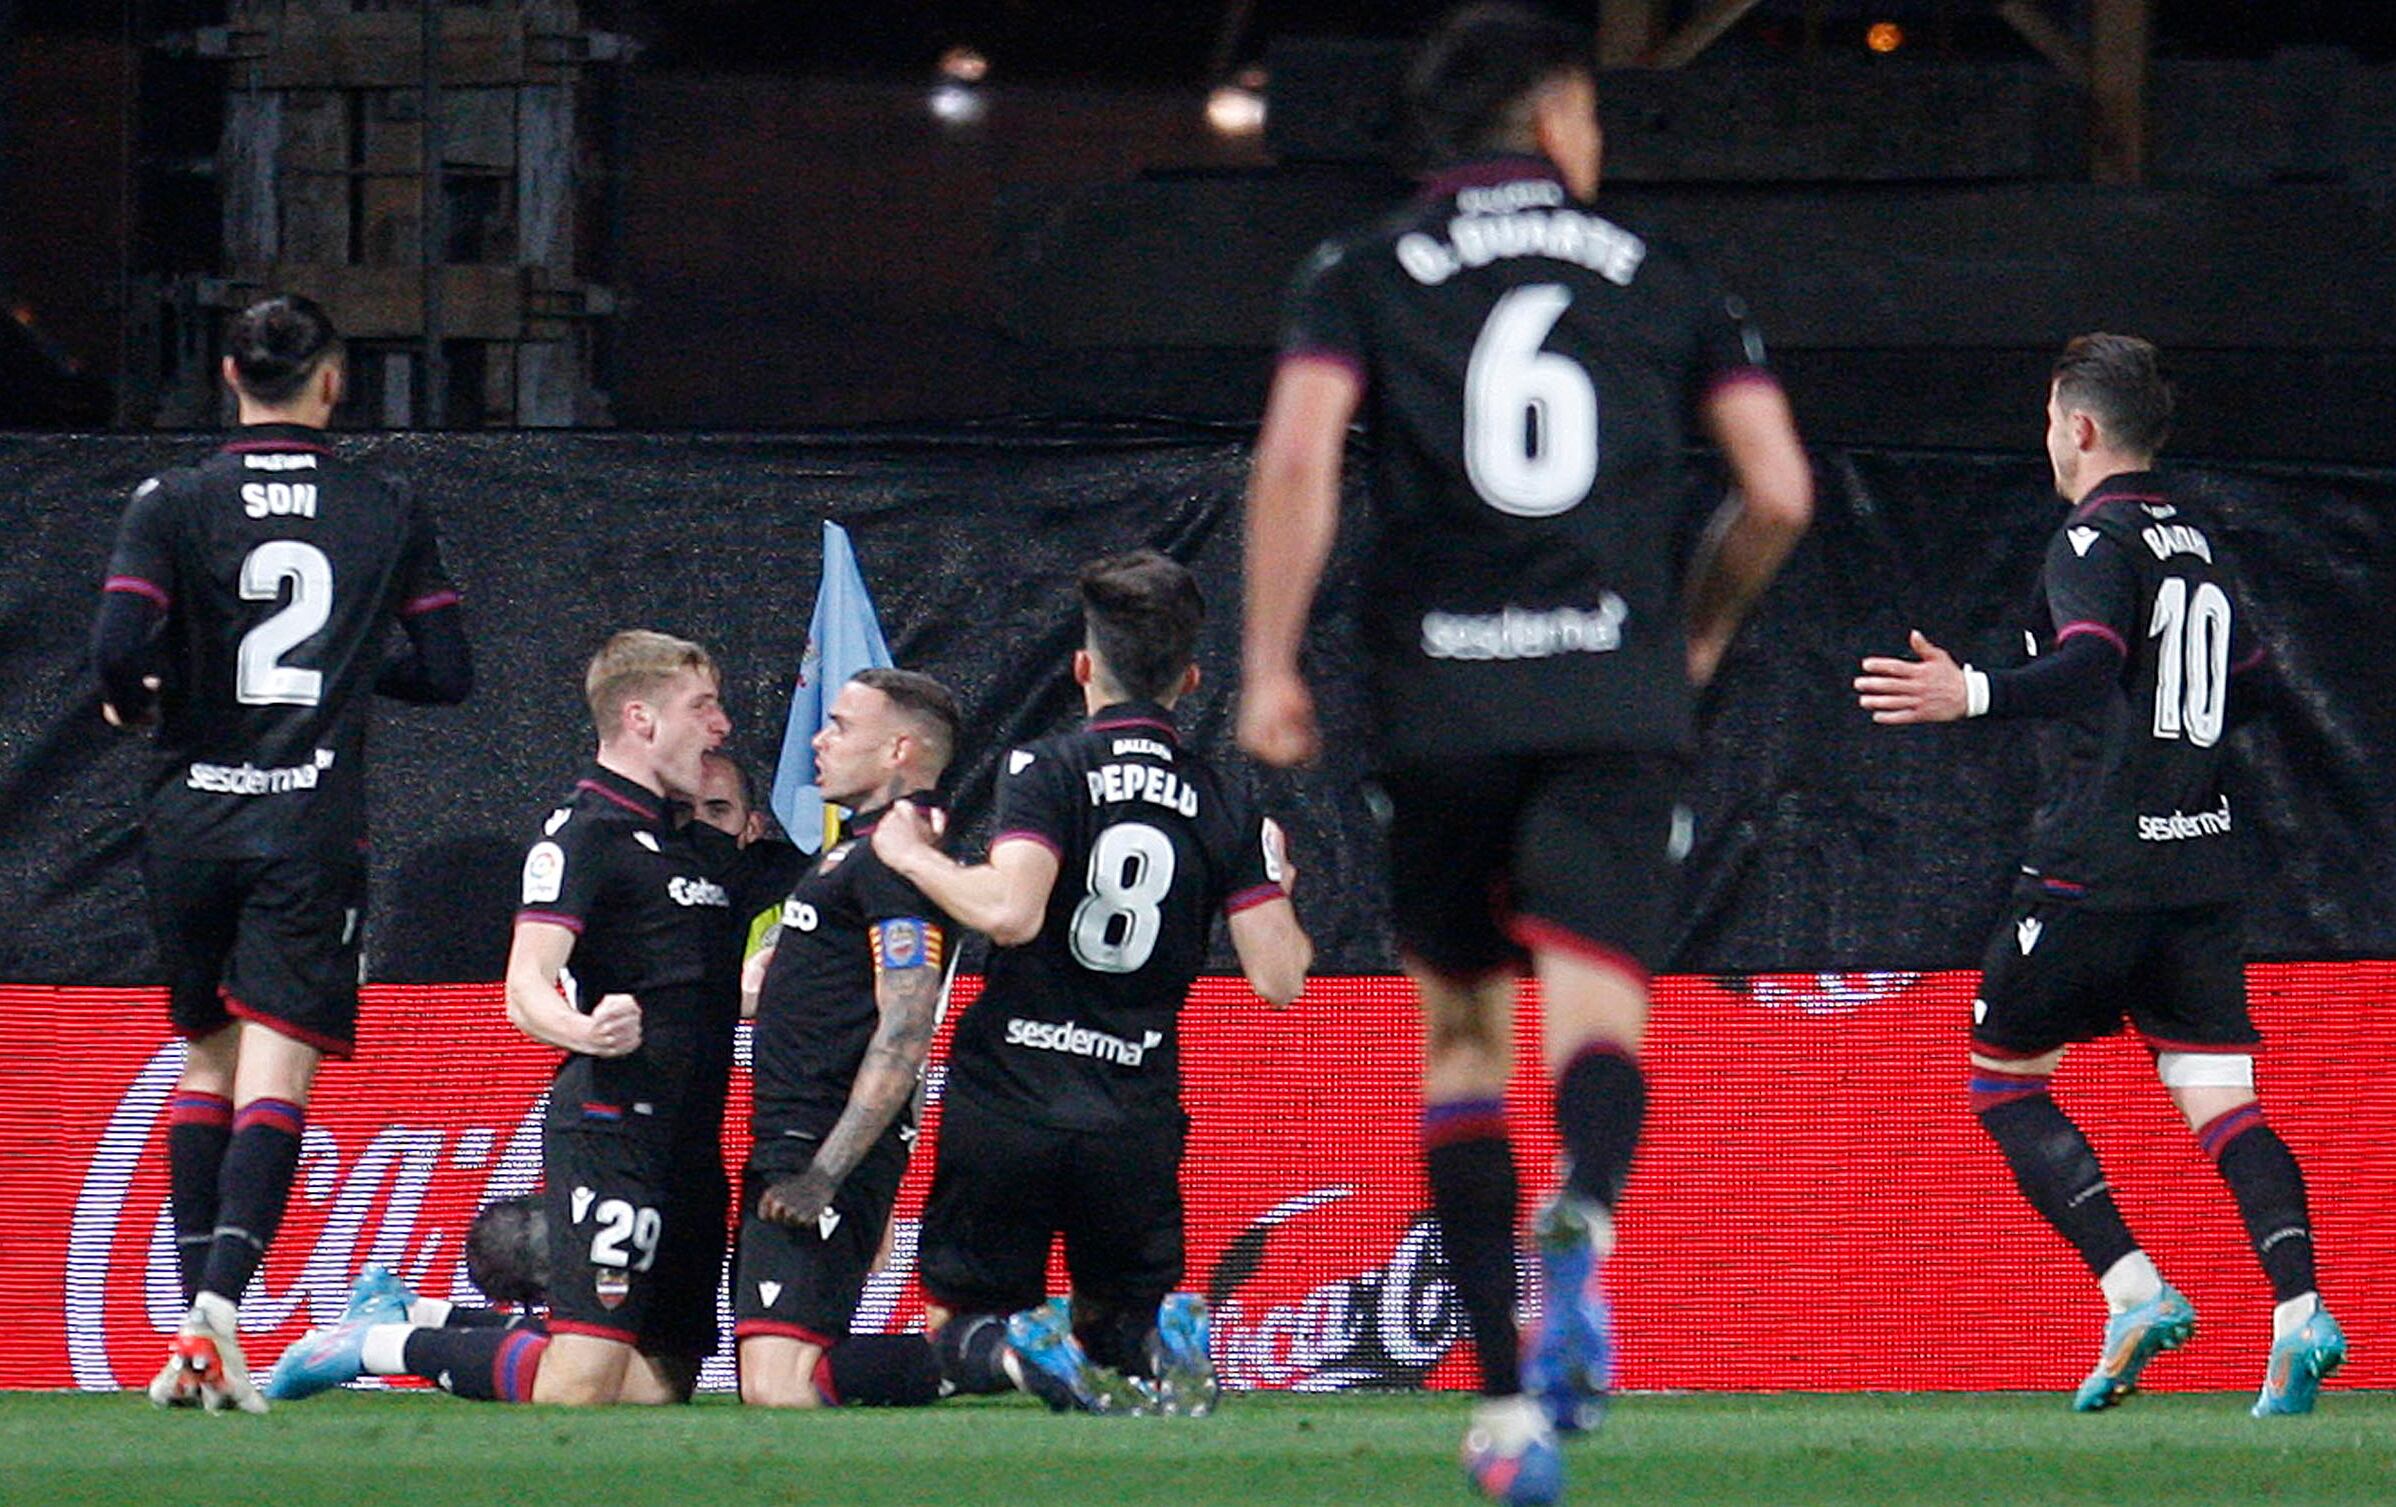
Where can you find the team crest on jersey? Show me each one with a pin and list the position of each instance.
(613, 1285)
(2080, 539)
(544, 873)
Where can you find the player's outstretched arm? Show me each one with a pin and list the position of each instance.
(536, 957)
(1293, 517)
(909, 1001)
(1005, 897)
(1771, 502)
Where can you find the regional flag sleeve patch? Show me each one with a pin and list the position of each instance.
(904, 929)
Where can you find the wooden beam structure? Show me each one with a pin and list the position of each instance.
(2120, 32)
(2047, 39)
(1704, 29)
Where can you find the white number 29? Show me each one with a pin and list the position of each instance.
(619, 1222)
(261, 678)
(1530, 415)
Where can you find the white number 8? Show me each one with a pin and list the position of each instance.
(1116, 925)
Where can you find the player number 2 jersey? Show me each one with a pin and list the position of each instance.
(281, 567)
(1078, 1028)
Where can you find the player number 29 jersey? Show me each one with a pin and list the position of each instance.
(1079, 1027)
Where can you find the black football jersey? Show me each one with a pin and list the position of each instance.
(2133, 813)
(652, 919)
(817, 1012)
(1079, 1027)
(281, 567)
(1531, 373)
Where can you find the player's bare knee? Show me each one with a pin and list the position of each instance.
(785, 1382)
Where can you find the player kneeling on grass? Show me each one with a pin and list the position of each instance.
(1117, 847)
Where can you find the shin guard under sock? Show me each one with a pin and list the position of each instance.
(879, 1371)
(2058, 1172)
(487, 1365)
(1474, 1190)
(1601, 1101)
(2263, 1177)
(198, 1129)
(251, 1191)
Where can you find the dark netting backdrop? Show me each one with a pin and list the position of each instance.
(1824, 843)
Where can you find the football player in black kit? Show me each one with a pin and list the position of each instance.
(247, 610)
(855, 988)
(2127, 901)
(1061, 1111)
(1529, 372)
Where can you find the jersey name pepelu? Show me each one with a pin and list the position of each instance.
(1112, 784)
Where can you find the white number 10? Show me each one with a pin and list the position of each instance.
(2192, 668)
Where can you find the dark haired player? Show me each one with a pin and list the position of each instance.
(1116, 848)
(1529, 372)
(247, 610)
(2127, 902)
(855, 988)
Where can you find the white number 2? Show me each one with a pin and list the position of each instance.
(1530, 415)
(261, 678)
(2192, 668)
(619, 1222)
(1116, 925)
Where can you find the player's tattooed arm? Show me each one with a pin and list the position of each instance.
(909, 1000)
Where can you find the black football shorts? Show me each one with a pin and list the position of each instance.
(2057, 972)
(636, 1235)
(273, 940)
(1490, 858)
(1004, 1188)
(804, 1282)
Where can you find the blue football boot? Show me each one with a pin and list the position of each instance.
(1184, 1367)
(1569, 1364)
(2298, 1363)
(1055, 1367)
(2132, 1338)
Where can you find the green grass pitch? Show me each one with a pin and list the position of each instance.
(1946, 1450)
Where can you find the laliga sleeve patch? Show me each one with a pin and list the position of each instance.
(544, 873)
(905, 942)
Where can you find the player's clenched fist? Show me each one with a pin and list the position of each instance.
(1277, 725)
(613, 1027)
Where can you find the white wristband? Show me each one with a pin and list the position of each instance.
(1975, 692)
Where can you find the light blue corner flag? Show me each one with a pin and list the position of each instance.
(842, 638)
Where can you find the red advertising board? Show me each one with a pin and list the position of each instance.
(1813, 1207)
